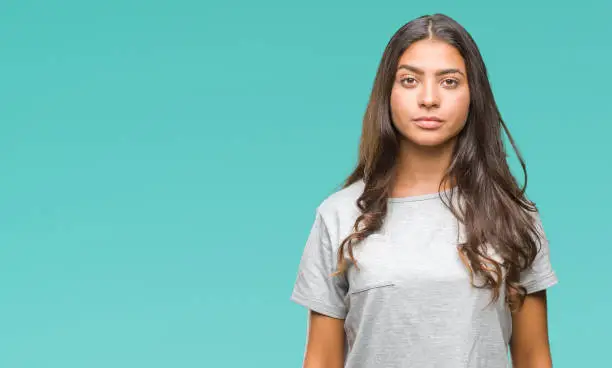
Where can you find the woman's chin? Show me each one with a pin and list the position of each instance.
(428, 139)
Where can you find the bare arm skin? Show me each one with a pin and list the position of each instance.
(529, 345)
(325, 342)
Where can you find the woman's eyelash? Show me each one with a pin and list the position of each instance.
(454, 82)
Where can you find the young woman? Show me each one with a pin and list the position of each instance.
(430, 255)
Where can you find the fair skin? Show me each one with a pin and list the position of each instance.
(431, 80)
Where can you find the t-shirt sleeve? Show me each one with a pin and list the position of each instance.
(541, 274)
(315, 287)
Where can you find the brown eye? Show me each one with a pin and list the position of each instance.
(410, 80)
(453, 83)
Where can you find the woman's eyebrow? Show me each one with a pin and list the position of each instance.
(438, 73)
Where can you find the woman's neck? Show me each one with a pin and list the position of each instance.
(420, 170)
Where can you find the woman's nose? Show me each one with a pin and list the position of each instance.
(429, 96)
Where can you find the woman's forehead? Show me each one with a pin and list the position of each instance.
(431, 56)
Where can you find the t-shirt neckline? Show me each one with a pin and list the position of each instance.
(420, 197)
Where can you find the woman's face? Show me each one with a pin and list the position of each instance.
(430, 82)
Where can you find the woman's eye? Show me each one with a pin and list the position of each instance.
(447, 82)
(452, 83)
(408, 79)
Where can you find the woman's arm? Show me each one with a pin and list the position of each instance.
(529, 345)
(325, 345)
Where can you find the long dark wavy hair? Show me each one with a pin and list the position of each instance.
(495, 211)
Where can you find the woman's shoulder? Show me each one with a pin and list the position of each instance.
(342, 202)
(338, 211)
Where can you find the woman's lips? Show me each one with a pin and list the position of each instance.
(428, 123)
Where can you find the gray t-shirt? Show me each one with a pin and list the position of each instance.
(411, 303)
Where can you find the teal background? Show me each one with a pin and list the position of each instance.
(161, 162)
